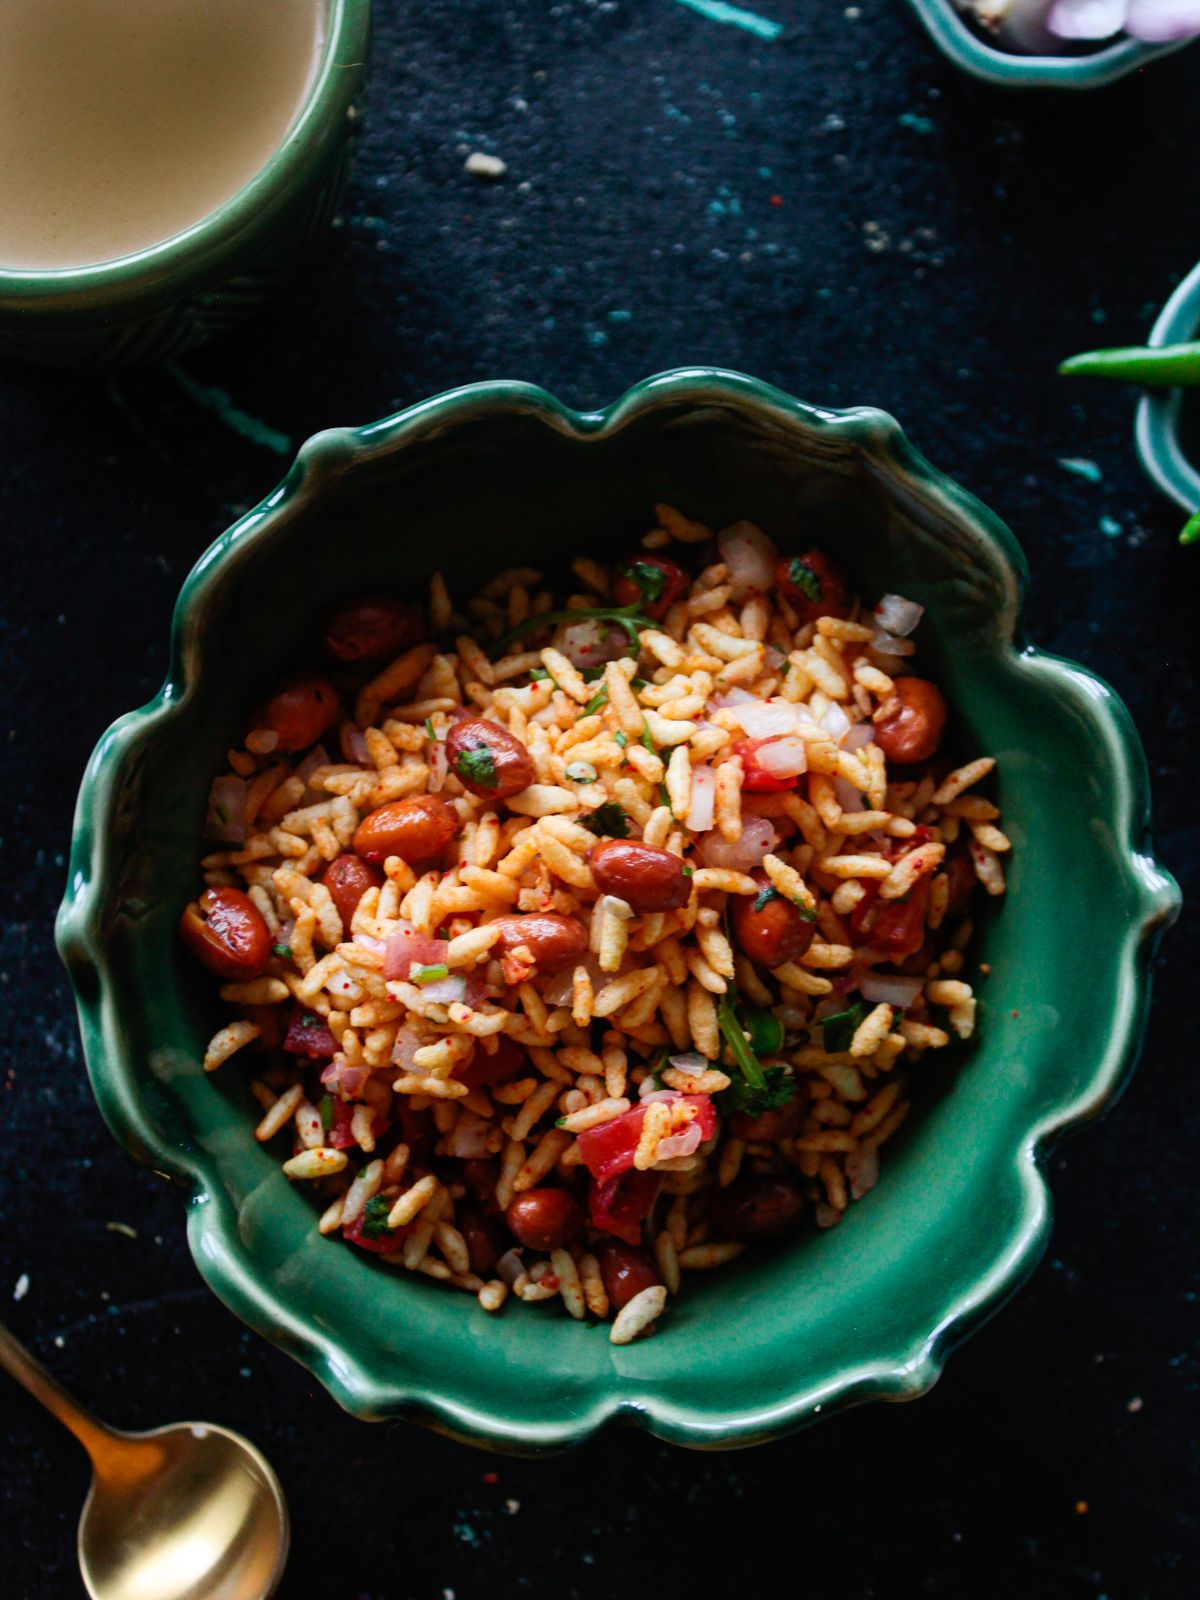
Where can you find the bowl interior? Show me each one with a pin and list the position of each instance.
(854, 1310)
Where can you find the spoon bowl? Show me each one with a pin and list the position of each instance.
(187, 1512)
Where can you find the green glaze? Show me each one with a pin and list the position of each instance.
(962, 45)
(164, 300)
(1157, 430)
(499, 473)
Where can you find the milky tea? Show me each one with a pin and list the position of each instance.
(123, 122)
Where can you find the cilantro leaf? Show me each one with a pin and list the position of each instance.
(765, 895)
(477, 765)
(650, 580)
(804, 578)
(838, 1030)
(375, 1215)
(809, 913)
(283, 951)
(607, 821)
(779, 1088)
(325, 1111)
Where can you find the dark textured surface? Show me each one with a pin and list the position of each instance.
(835, 211)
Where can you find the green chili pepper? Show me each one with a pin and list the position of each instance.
(1191, 529)
(765, 1030)
(1166, 366)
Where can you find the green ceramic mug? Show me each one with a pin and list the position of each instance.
(163, 300)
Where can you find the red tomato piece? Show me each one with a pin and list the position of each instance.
(756, 780)
(608, 1150)
(383, 1244)
(621, 1205)
(340, 1136)
(898, 926)
(308, 1036)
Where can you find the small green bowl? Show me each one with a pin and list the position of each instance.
(164, 300)
(503, 473)
(1163, 440)
(959, 42)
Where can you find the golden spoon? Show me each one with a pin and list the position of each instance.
(189, 1512)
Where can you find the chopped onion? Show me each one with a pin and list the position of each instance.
(884, 988)
(446, 990)
(703, 799)
(679, 1144)
(409, 1040)
(732, 697)
(887, 644)
(859, 735)
(774, 657)
(226, 819)
(592, 642)
(862, 1168)
(739, 855)
(510, 1266)
(354, 744)
(691, 1062)
(368, 942)
(439, 767)
(646, 1094)
(895, 614)
(406, 946)
(750, 557)
(581, 772)
(835, 721)
(341, 1078)
(318, 756)
(762, 719)
(344, 986)
(848, 797)
(784, 757)
(468, 1138)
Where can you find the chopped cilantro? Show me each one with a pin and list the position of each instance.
(430, 729)
(308, 1020)
(431, 974)
(649, 579)
(838, 1030)
(626, 617)
(607, 821)
(765, 895)
(325, 1111)
(621, 738)
(597, 701)
(689, 872)
(646, 738)
(477, 765)
(283, 951)
(374, 1217)
(779, 1088)
(809, 913)
(765, 1030)
(802, 577)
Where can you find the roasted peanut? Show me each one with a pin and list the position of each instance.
(225, 930)
(300, 712)
(347, 878)
(365, 630)
(418, 829)
(909, 723)
(647, 878)
(754, 1208)
(767, 927)
(545, 1219)
(488, 760)
(554, 942)
(626, 1271)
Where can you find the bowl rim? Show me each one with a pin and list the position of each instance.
(327, 102)
(1156, 426)
(212, 1233)
(961, 45)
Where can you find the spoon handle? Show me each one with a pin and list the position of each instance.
(30, 1374)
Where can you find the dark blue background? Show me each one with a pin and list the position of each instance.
(838, 212)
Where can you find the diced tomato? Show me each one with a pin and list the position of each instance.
(483, 1069)
(340, 1136)
(627, 591)
(814, 584)
(307, 1035)
(897, 926)
(608, 1150)
(383, 1244)
(756, 780)
(621, 1205)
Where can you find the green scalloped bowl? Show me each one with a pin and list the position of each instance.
(502, 472)
(960, 44)
(1165, 434)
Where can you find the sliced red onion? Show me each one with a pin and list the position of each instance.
(774, 657)
(691, 1062)
(353, 743)
(592, 642)
(406, 946)
(848, 797)
(645, 1095)
(894, 614)
(679, 1144)
(739, 855)
(344, 986)
(702, 799)
(467, 1140)
(835, 721)
(762, 719)
(339, 1077)
(376, 946)
(859, 735)
(446, 991)
(783, 757)
(318, 756)
(887, 644)
(510, 1266)
(226, 818)
(882, 988)
(732, 697)
(862, 1168)
(439, 767)
(750, 557)
(408, 1041)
